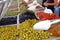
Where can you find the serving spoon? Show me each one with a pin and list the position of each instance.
(45, 25)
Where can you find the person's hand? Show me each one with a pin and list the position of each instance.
(46, 4)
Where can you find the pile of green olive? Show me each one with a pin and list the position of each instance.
(24, 32)
(8, 33)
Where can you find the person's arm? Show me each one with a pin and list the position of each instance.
(55, 3)
(45, 3)
(51, 4)
(59, 3)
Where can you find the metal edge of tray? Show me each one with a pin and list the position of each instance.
(2, 2)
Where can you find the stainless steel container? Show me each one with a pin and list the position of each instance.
(4, 5)
(1, 5)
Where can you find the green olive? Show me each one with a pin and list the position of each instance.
(27, 31)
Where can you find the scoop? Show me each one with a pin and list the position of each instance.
(49, 11)
(45, 25)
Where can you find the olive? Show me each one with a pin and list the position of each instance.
(27, 31)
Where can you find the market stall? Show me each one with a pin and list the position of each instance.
(18, 20)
